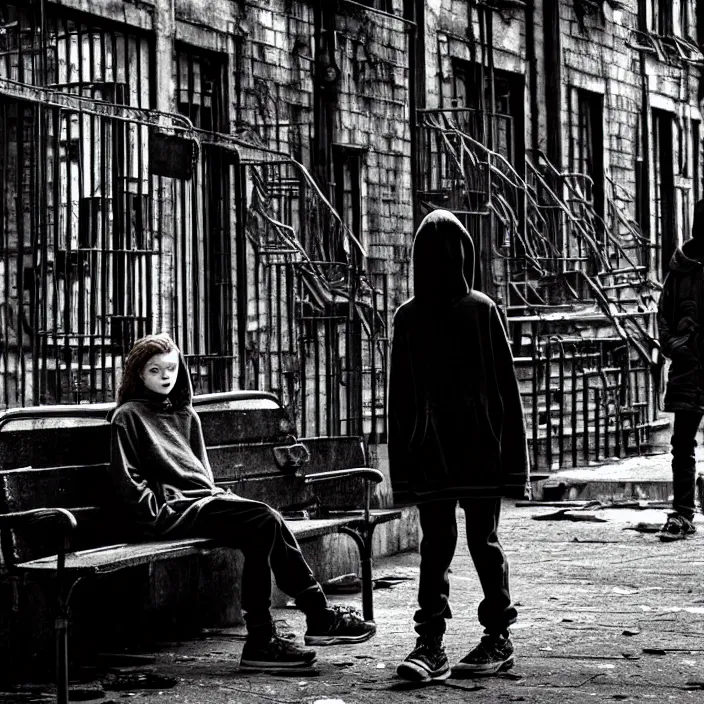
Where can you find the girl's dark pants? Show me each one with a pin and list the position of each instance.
(684, 442)
(268, 546)
(439, 526)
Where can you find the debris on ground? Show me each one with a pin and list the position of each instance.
(693, 685)
(118, 659)
(665, 651)
(567, 514)
(344, 584)
(645, 527)
(390, 580)
(124, 681)
(637, 504)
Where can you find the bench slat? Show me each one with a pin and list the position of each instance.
(226, 426)
(55, 447)
(337, 452)
(111, 558)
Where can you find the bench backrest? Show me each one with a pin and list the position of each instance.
(58, 456)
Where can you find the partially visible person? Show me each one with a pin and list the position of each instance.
(680, 318)
(160, 468)
(456, 434)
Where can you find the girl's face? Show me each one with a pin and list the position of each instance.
(160, 372)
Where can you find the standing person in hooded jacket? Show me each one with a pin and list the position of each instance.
(456, 433)
(161, 471)
(680, 318)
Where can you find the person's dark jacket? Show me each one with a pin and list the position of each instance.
(158, 461)
(456, 426)
(680, 316)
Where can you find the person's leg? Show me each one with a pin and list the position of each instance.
(254, 528)
(269, 546)
(496, 611)
(428, 661)
(437, 547)
(684, 441)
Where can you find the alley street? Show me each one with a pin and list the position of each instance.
(607, 613)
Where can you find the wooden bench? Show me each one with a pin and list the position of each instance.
(59, 519)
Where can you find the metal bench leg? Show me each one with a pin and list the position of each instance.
(61, 629)
(363, 538)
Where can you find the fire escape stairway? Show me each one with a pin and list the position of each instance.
(574, 286)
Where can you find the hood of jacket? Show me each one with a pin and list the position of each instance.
(687, 257)
(443, 258)
(179, 397)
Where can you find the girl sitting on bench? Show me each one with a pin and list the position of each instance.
(160, 468)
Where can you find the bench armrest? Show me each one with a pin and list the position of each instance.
(368, 473)
(19, 519)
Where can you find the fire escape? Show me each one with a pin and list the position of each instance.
(575, 285)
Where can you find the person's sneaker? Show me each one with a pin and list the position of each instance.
(275, 654)
(676, 527)
(426, 662)
(339, 624)
(493, 654)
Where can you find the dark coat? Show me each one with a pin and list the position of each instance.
(680, 317)
(456, 427)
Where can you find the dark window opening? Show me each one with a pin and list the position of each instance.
(588, 147)
(497, 124)
(662, 17)
(348, 189)
(201, 89)
(663, 175)
(685, 18)
(696, 151)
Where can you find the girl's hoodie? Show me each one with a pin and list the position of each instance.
(158, 458)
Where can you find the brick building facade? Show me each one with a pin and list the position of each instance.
(247, 174)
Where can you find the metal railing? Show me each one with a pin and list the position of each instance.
(556, 266)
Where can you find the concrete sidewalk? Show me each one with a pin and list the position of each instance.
(606, 613)
(644, 477)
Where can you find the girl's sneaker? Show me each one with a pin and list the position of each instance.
(338, 624)
(676, 527)
(427, 661)
(275, 654)
(493, 654)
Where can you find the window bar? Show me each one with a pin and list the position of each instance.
(561, 437)
(303, 326)
(80, 272)
(5, 110)
(585, 416)
(548, 405)
(56, 167)
(67, 355)
(534, 395)
(597, 422)
(573, 409)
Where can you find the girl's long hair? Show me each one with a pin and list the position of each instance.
(142, 351)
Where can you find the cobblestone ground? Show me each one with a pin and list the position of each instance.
(594, 598)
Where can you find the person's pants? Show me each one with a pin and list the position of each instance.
(268, 546)
(439, 526)
(684, 442)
